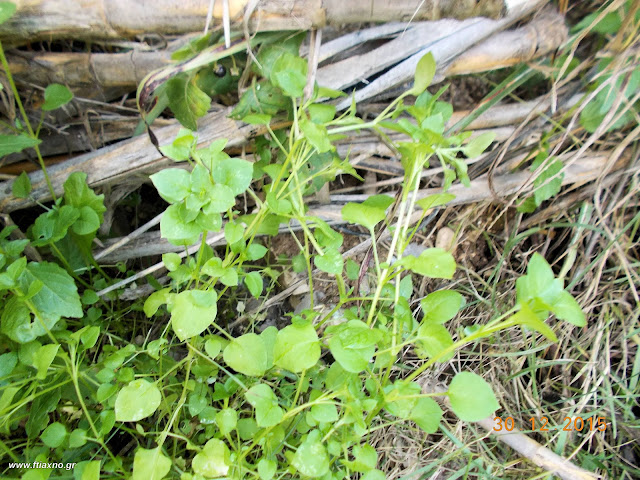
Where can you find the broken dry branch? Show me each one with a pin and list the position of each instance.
(126, 158)
(444, 50)
(111, 70)
(104, 19)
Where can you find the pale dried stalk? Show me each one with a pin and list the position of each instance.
(130, 157)
(501, 50)
(104, 19)
(443, 49)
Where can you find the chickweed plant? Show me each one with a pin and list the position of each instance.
(195, 399)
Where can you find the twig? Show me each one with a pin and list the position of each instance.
(123, 241)
(209, 16)
(226, 23)
(314, 52)
(156, 267)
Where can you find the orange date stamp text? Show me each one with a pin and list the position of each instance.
(541, 424)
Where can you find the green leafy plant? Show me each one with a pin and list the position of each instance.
(194, 399)
(612, 86)
(277, 406)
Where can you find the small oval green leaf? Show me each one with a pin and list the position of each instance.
(137, 400)
(55, 96)
(472, 398)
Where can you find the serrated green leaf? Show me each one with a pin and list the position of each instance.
(137, 400)
(55, 96)
(16, 143)
(471, 398)
(21, 187)
(16, 322)
(58, 296)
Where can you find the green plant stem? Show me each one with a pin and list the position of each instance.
(213, 362)
(491, 327)
(203, 243)
(74, 378)
(299, 387)
(25, 117)
(374, 248)
(181, 400)
(67, 266)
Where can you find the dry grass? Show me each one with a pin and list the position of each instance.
(590, 233)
